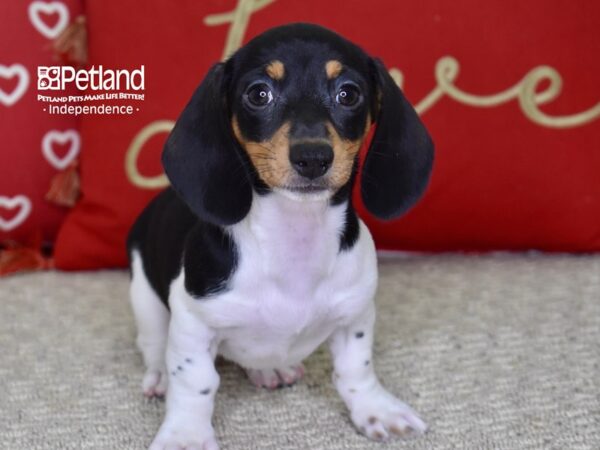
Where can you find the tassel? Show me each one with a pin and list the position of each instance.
(15, 257)
(64, 187)
(71, 46)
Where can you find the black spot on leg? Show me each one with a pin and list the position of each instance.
(359, 334)
(179, 368)
(367, 362)
(205, 391)
(188, 360)
(174, 373)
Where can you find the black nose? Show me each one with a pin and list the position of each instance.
(311, 160)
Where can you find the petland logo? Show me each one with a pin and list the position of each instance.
(57, 78)
(94, 91)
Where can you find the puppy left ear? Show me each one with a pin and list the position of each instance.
(398, 164)
(203, 160)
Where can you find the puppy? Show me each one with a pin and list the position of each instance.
(256, 253)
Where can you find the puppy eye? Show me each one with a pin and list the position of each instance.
(348, 95)
(259, 95)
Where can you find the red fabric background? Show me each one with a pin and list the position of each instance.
(500, 180)
(23, 168)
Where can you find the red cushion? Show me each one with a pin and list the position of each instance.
(508, 173)
(35, 145)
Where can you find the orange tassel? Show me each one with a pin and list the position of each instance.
(15, 257)
(64, 187)
(71, 46)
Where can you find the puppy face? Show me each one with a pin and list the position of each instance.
(288, 111)
(301, 104)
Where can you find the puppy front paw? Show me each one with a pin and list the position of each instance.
(184, 435)
(380, 416)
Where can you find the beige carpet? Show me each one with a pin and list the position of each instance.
(495, 352)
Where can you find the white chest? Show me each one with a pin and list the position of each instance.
(292, 286)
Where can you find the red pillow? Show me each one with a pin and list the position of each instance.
(36, 146)
(515, 163)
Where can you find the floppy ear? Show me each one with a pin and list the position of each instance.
(202, 159)
(399, 161)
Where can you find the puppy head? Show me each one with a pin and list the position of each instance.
(288, 112)
(301, 107)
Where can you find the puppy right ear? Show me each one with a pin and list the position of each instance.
(203, 160)
(398, 164)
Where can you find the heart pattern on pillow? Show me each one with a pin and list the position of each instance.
(9, 203)
(8, 72)
(37, 8)
(60, 137)
(34, 173)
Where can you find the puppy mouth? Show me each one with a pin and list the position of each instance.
(309, 188)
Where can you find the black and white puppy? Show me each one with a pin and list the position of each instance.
(255, 253)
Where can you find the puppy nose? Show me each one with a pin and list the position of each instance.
(311, 160)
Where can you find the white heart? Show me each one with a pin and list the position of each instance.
(61, 137)
(35, 8)
(11, 203)
(9, 72)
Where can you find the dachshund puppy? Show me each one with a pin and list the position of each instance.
(255, 253)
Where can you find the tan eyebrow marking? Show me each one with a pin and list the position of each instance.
(333, 68)
(275, 69)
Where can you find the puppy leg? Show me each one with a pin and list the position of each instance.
(152, 318)
(193, 383)
(374, 411)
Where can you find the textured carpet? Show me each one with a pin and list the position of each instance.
(495, 352)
